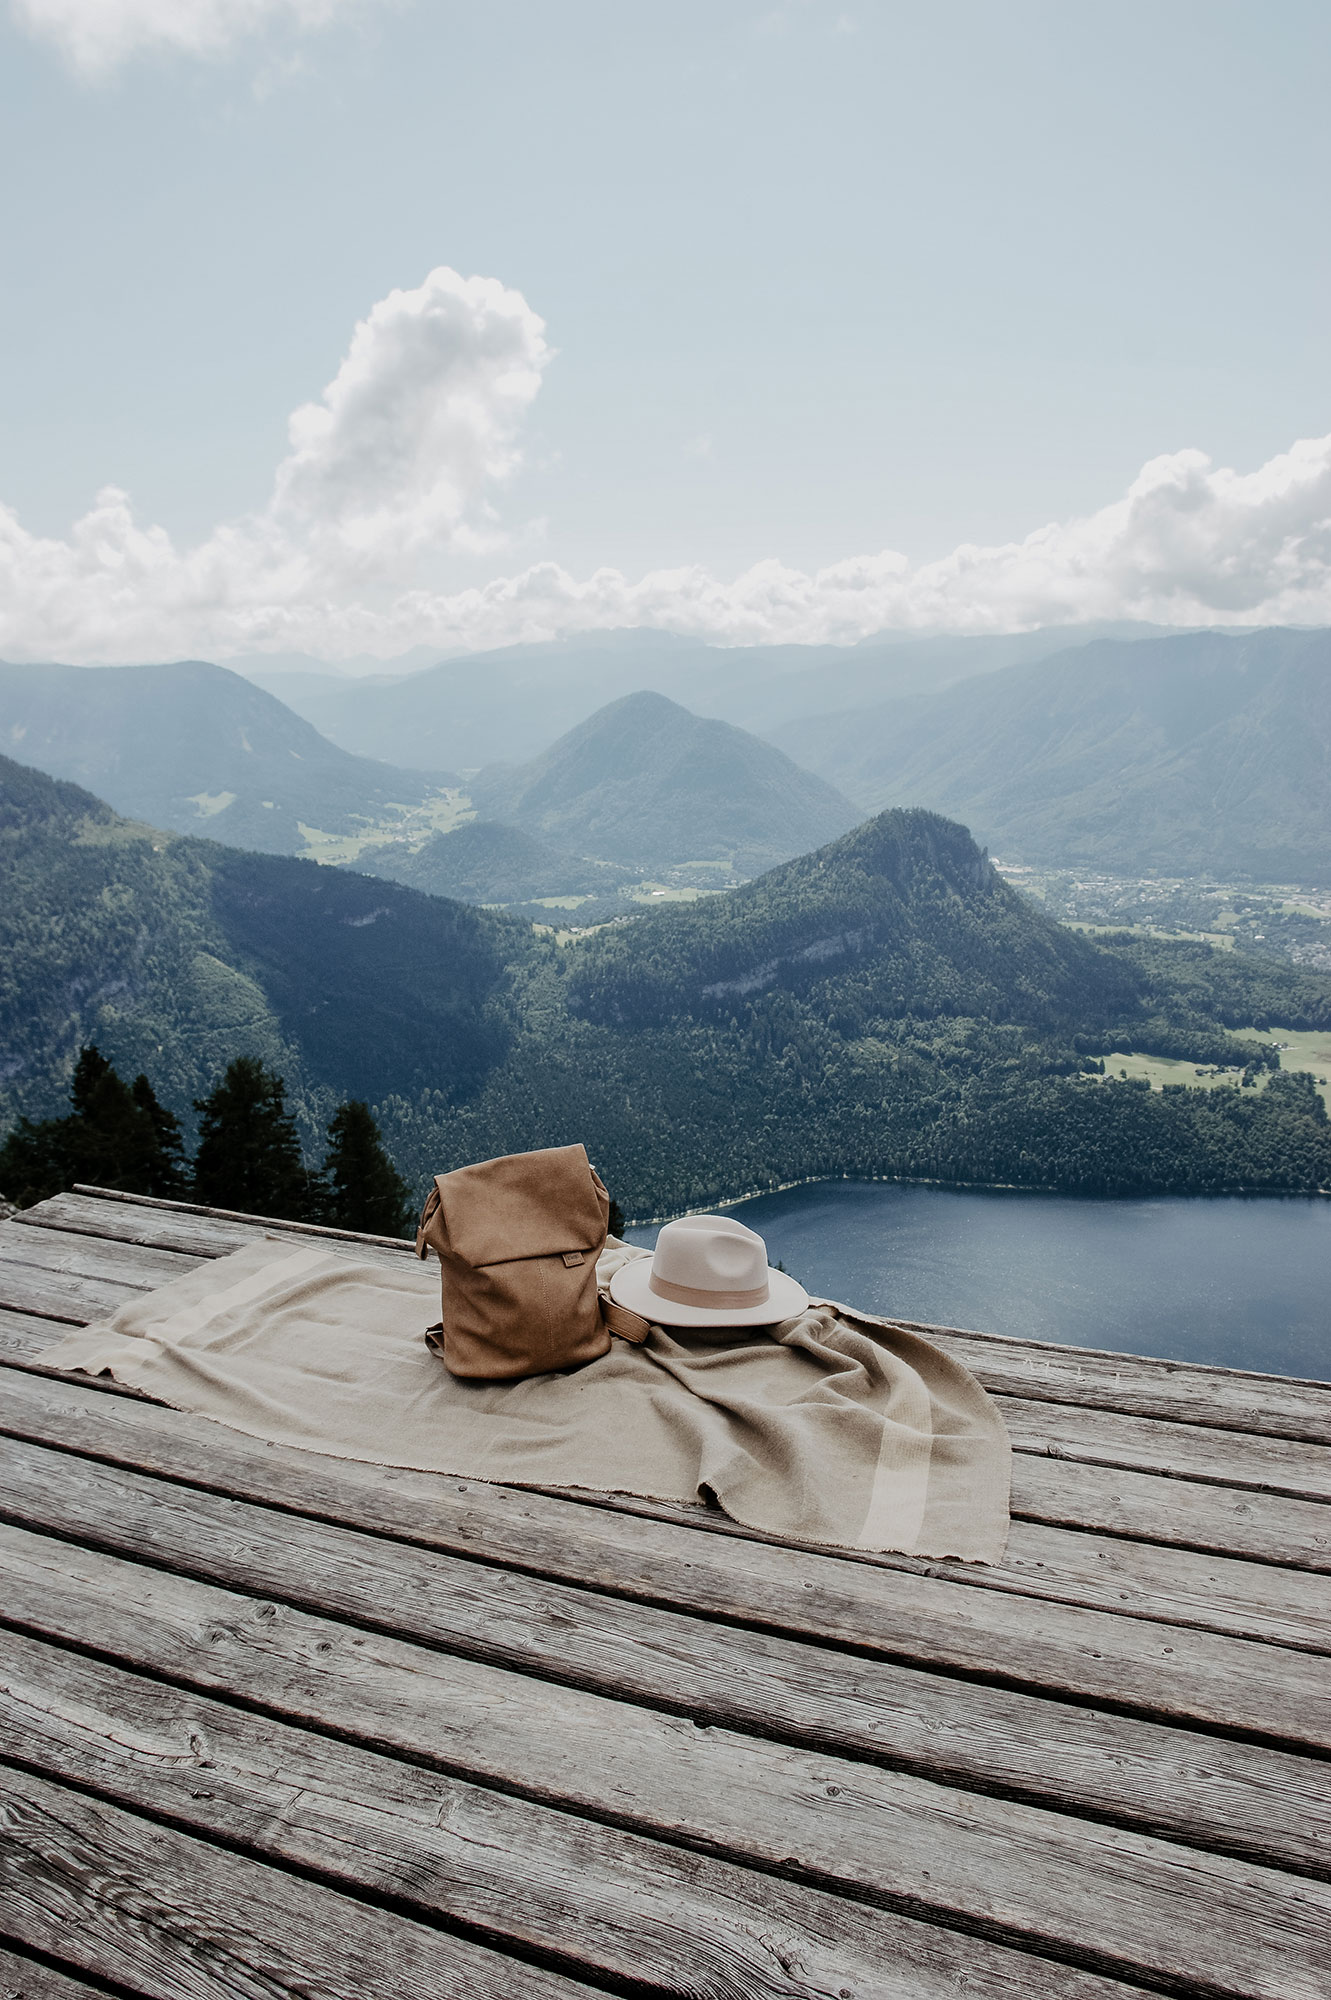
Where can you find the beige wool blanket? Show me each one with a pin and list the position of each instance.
(829, 1428)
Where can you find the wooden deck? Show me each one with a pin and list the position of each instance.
(275, 1724)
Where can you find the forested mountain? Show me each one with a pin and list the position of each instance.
(198, 749)
(484, 862)
(512, 702)
(175, 954)
(887, 1005)
(1181, 755)
(643, 783)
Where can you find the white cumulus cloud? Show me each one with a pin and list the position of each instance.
(419, 421)
(401, 458)
(95, 35)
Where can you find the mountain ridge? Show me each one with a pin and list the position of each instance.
(885, 1006)
(1196, 753)
(198, 749)
(644, 782)
(514, 701)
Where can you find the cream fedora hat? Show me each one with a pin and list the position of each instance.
(708, 1270)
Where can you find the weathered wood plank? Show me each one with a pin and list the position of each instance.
(26, 1979)
(193, 1232)
(1101, 1573)
(1116, 1901)
(1209, 1592)
(1179, 1451)
(23, 1335)
(61, 1296)
(91, 1257)
(613, 1903)
(1262, 1527)
(1232, 1796)
(1095, 1655)
(1130, 1580)
(1140, 1385)
(167, 1914)
(401, 1244)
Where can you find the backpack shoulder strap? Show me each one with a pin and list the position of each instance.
(628, 1325)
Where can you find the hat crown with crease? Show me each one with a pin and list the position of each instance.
(710, 1253)
(707, 1270)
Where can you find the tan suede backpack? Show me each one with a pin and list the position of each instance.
(517, 1241)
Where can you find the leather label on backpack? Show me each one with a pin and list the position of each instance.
(572, 1257)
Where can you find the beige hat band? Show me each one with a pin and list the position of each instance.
(692, 1295)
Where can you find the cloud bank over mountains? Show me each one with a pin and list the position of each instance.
(400, 462)
(96, 35)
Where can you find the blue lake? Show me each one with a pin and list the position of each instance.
(1240, 1282)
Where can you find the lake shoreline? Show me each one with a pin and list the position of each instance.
(724, 1202)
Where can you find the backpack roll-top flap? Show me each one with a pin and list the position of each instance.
(544, 1204)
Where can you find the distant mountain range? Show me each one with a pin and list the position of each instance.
(511, 704)
(884, 1006)
(198, 748)
(636, 788)
(1200, 753)
(645, 784)
(1179, 755)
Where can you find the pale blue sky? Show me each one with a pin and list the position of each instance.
(822, 280)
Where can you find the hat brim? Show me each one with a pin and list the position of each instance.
(631, 1286)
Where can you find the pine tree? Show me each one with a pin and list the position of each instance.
(114, 1136)
(102, 1138)
(249, 1155)
(32, 1163)
(163, 1148)
(362, 1188)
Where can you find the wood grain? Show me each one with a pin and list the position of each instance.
(60, 1295)
(1133, 1580)
(1118, 1902)
(169, 1915)
(1179, 1451)
(1139, 1385)
(1217, 1793)
(23, 1335)
(26, 1979)
(929, 1621)
(194, 1232)
(1262, 1527)
(637, 1745)
(91, 1257)
(1231, 1796)
(617, 1904)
